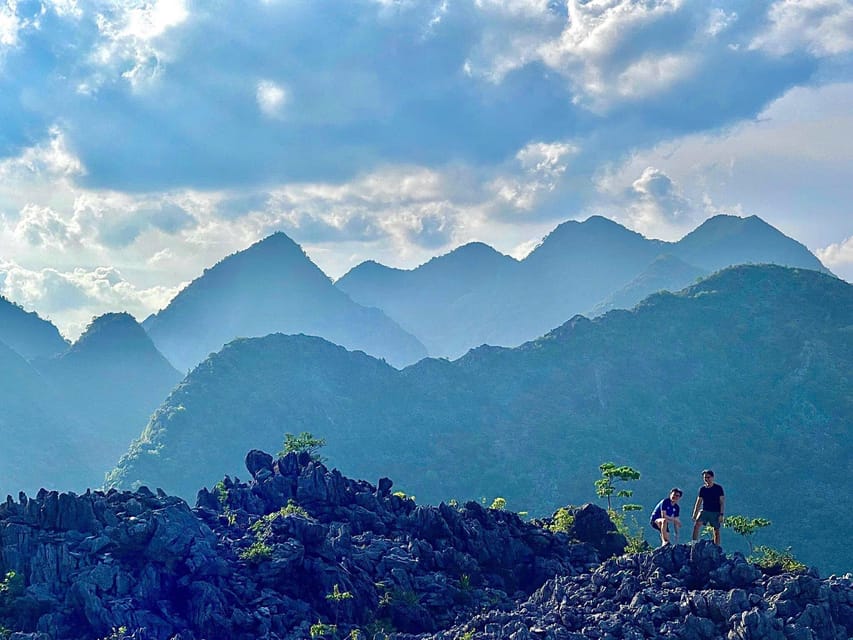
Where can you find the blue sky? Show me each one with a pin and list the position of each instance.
(141, 142)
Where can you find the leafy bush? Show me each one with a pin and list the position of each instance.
(774, 561)
(305, 442)
(258, 551)
(564, 520)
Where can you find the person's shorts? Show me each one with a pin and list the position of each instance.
(655, 525)
(710, 517)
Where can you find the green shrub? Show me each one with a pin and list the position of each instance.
(773, 560)
(499, 504)
(305, 442)
(257, 552)
(564, 520)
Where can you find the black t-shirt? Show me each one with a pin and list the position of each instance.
(711, 497)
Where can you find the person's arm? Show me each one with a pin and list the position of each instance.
(697, 507)
(722, 508)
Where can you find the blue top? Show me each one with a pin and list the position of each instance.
(666, 507)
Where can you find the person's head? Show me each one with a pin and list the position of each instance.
(708, 477)
(675, 494)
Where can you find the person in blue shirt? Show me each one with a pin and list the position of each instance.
(665, 514)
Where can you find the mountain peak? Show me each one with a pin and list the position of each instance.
(724, 240)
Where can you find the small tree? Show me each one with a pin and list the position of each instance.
(746, 527)
(305, 442)
(605, 486)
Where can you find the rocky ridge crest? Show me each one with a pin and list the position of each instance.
(264, 558)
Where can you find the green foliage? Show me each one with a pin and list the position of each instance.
(12, 585)
(117, 633)
(771, 559)
(607, 487)
(402, 495)
(746, 526)
(611, 474)
(323, 630)
(337, 595)
(465, 582)
(498, 503)
(468, 635)
(630, 528)
(564, 520)
(305, 442)
(257, 552)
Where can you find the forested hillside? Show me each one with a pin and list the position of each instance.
(747, 372)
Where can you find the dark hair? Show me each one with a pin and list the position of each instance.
(708, 472)
(676, 490)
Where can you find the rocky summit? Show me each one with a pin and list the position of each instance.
(300, 551)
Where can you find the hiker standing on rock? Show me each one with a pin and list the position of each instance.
(666, 512)
(710, 506)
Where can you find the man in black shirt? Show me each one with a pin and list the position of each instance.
(710, 506)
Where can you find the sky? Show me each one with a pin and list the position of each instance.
(143, 141)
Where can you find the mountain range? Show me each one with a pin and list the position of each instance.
(747, 371)
(475, 295)
(271, 287)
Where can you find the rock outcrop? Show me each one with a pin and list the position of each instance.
(301, 551)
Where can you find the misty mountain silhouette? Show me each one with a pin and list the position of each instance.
(271, 287)
(43, 446)
(113, 378)
(735, 372)
(580, 267)
(28, 334)
(665, 273)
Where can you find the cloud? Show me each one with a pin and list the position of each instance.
(72, 298)
(791, 161)
(131, 37)
(43, 227)
(271, 98)
(821, 27)
(656, 203)
(542, 167)
(838, 257)
(51, 159)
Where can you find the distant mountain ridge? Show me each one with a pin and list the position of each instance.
(580, 267)
(27, 333)
(271, 287)
(735, 372)
(113, 377)
(66, 419)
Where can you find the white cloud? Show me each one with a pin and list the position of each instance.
(838, 257)
(821, 27)
(543, 165)
(9, 24)
(43, 227)
(130, 35)
(271, 98)
(609, 50)
(71, 298)
(656, 204)
(794, 159)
